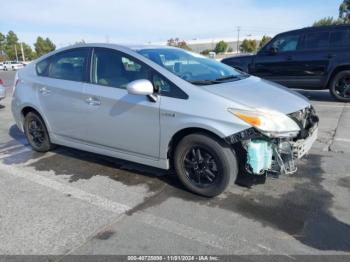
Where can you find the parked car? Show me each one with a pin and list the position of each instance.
(310, 58)
(1, 66)
(163, 107)
(2, 90)
(12, 65)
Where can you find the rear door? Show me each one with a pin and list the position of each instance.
(275, 62)
(60, 92)
(314, 58)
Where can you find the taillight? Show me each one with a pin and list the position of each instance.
(1, 83)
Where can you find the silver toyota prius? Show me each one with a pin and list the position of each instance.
(164, 107)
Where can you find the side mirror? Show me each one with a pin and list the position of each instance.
(273, 50)
(142, 87)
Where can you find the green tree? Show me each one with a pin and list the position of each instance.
(2, 41)
(176, 42)
(11, 45)
(344, 11)
(221, 47)
(265, 39)
(206, 51)
(2, 47)
(43, 46)
(28, 52)
(248, 46)
(343, 18)
(327, 21)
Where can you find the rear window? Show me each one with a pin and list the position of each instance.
(317, 40)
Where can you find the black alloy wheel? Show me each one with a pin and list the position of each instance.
(36, 133)
(205, 164)
(340, 86)
(201, 167)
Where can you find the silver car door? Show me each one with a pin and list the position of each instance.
(118, 120)
(61, 93)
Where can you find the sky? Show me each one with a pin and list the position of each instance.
(154, 21)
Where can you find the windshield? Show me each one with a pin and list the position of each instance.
(192, 67)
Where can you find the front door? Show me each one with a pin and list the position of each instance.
(276, 61)
(118, 120)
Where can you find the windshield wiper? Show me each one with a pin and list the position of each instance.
(216, 81)
(227, 78)
(203, 82)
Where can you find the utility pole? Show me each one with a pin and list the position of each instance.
(16, 53)
(238, 31)
(23, 57)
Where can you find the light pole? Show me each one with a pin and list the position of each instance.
(16, 53)
(23, 57)
(238, 31)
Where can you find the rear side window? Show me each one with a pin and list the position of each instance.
(317, 40)
(339, 39)
(69, 65)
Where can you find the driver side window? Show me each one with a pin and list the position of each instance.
(115, 69)
(286, 43)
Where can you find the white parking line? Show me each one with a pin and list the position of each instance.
(23, 150)
(330, 105)
(342, 139)
(5, 149)
(64, 189)
(117, 208)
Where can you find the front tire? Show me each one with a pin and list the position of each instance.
(205, 165)
(36, 132)
(340, 86)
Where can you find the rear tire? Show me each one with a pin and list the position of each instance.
(340, 86)
(205, 165)
(36, 132)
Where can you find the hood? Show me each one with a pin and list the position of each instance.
(258, 93)
(239, 58)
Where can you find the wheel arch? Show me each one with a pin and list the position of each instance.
(335, 72)
(30, 108)
(180, 134)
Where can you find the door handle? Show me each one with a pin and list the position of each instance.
(330, 56)
(44, 90)
(289, 58)
(92, 101)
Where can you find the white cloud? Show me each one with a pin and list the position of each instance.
(140, 21)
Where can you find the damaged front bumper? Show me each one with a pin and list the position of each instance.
(263, 154)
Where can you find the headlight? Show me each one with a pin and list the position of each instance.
(271, 123)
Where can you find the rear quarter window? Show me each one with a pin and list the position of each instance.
(42, 67)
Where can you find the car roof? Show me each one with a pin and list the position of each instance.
(129, 46)
(317, 28)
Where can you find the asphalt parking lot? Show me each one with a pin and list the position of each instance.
(73, 202)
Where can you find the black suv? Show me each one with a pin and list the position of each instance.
(309, 58)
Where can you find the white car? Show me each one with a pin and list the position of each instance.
(1, 66)
(2, 90)
(12, 65)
